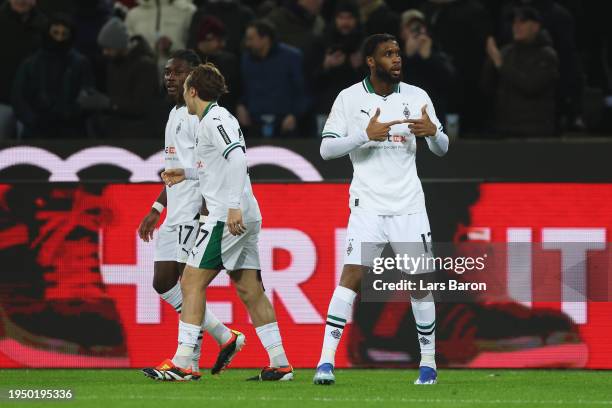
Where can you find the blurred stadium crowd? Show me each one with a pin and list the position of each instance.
(494, 69)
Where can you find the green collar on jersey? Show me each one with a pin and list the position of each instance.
(367, 85)
(208, 108)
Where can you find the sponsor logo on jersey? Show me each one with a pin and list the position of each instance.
(336, 334)
(396, 138)
(170, 150)
(224, 135)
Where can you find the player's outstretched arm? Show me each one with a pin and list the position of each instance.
(436, 139)
(332, 148)
(175, 176)
(148, 223)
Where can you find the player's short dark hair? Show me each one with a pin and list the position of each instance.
(208, 82)
(371, 43)
(189, 56)
(265, 28)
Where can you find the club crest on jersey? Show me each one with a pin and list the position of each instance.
(178, 128)
(349, 249)
(406, 111)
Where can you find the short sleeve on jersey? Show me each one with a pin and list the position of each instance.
(336, 126)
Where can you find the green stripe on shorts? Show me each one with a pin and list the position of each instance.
(212, 254)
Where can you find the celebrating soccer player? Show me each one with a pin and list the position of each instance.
(229, 238)
(177, 234)
(376, 122)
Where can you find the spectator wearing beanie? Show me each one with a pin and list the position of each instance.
(133, 101)
(234, 15)
(210, 46)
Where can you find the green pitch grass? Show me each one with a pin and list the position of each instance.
(355, 388)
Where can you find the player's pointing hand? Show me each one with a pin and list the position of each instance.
(422, 127)
(173, 176)
(379, 131)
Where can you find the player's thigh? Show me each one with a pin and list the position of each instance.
(197, 279)
(365, 238)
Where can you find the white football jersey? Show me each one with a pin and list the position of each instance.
(218, 134)
(184, 199)
(385, 179)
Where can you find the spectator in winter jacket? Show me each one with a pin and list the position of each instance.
(48, 83)
(424, 65)
(22, 27)
(163, 23)
(522, 77)
(460, 28)
(133, 100)
(299, 25)
(342, 65)
(273, 84)
(560, 24)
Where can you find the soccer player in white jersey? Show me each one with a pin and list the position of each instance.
(229, 238)
(177, 234)
(376, 122)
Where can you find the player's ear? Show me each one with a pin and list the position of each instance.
(370, 61)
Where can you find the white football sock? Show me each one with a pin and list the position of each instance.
(174, 296)
(270, 338)
(340, 309)
(187, 339)
(197, 352)
(217, 330)
(424, 311)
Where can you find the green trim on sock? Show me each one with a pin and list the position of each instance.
(336, 318)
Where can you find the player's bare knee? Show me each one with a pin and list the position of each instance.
(351, 277)
(165, 276)
(250, 294)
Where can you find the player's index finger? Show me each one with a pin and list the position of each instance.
(396, 122)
